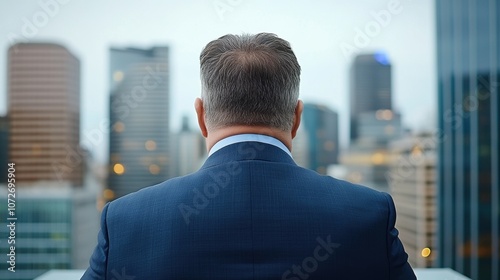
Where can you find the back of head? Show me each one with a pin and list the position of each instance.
(249, 80)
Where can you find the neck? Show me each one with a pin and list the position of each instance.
(218, 134)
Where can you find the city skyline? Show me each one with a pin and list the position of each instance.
(447, 198)
(333, 27)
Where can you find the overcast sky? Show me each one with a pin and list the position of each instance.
(325, 36)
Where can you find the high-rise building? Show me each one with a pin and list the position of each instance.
(468, 56)
(300, 150)
(139, 116)
(366, 164)
(379, 127)
(189, 150)
(4, 146)
(367, 160)
(370, 87)
(412, 182)
(373, 122)
(56, 229)
(321, 125)
(44, 113)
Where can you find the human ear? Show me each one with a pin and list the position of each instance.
(296, 118)
(200, 113)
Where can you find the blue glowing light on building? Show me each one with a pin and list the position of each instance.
(381, 58)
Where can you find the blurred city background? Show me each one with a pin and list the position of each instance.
(96, 102)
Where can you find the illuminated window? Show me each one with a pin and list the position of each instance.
(416, 151)
(426, 252)
(162, 159)
(108, 194)
(118, 168)
(154, 169)
(384, 115)
(378, 158)
(119, 127)
(150, 145)
(36, 150)
(355, 177)
(118, 76)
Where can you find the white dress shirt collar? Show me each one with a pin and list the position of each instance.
(248, 138)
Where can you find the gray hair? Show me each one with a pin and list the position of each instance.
(249, 80)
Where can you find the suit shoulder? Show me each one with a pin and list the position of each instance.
(348, 188)
(166, 191)
(335, 182)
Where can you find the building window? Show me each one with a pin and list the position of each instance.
(119, 127)
(154, 169)
(150, 145)
(118, 76)
(118, 168)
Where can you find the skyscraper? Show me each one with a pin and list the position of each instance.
(56, 229)
(412, 182)
(56, 209)
(4, 146)
(370, 87)
(321, 125)
(139, 117)
(468, 53)
(44, 113)
(300, 144)
(189, 150)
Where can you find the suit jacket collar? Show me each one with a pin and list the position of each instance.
(248, 151)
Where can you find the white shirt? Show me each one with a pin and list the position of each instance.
(246, 138)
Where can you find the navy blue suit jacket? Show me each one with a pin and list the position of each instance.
(250, 213)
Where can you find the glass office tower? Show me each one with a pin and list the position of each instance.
(56, 228)
(321, 125)
(370, 87)
(139, 116)
(468, 56)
